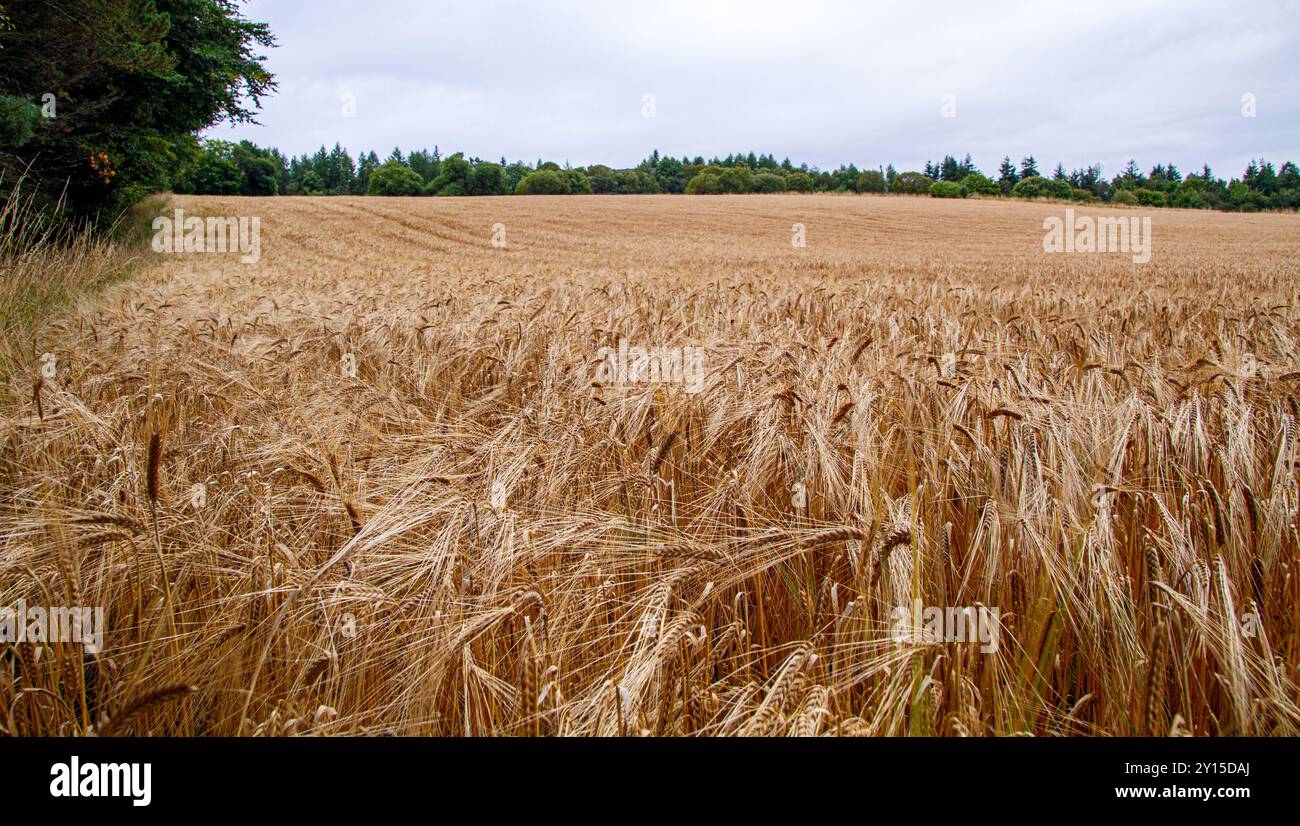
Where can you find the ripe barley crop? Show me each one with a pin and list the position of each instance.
(421, 514)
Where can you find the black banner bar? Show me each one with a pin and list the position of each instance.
(148, 777)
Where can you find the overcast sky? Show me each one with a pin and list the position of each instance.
(820, 82)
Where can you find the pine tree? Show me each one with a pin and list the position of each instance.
(1007, 172)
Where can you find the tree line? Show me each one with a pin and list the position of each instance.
(96, 115)
(227, 168)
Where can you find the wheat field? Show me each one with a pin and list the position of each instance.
(471, 534)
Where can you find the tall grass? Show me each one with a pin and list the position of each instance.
(46, 262)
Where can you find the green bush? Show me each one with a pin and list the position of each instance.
(261, 177)
(394, 178)
(871, 181)
(543, 182)
(1034, 186)
(603, 180)
(977, 184)
(705, 183)
(453, 177)
(1189, 199)
(670, 174)
(486, 179)
(214, 174)
(1124, 197)
(769, 182)
(311, 184)
(636, 182)
(798, 182)
(1031, 187)
(911, 183)
(451, 189)
(736, 180)
(575, 182)
(1081, 195)
(18, 119)
(946, 189)
(1149, 197)
(1243, 198)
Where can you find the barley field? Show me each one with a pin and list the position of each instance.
(425, 510)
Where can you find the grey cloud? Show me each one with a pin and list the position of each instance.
(821, 82)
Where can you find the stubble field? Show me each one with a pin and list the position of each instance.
(475, 534)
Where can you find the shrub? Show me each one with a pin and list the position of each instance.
(1031, 187)
(602, 179)
(1243, 198)
(670, 174)
(636, 182)
(312, 184)
(769, 182)
(871, 181)
(216, 174)
(575, 182)
(946, 189)
(18, 120)
(911, 183)
(394, 178)
(705, 183)
(737, 180)
(261, 177)
(453, 177)
(1035, 186)
(798, 182)
(977, 184)
(1149, 197)
(486, 179)
(451, 189)
(1124, 197)
(543, 182)
(1081, 195)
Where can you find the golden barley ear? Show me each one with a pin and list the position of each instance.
(1155, 574)
(110, 519)
(154, 471)
(1156, 715)
(353, 516)
(145, 702)
(662, 452)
